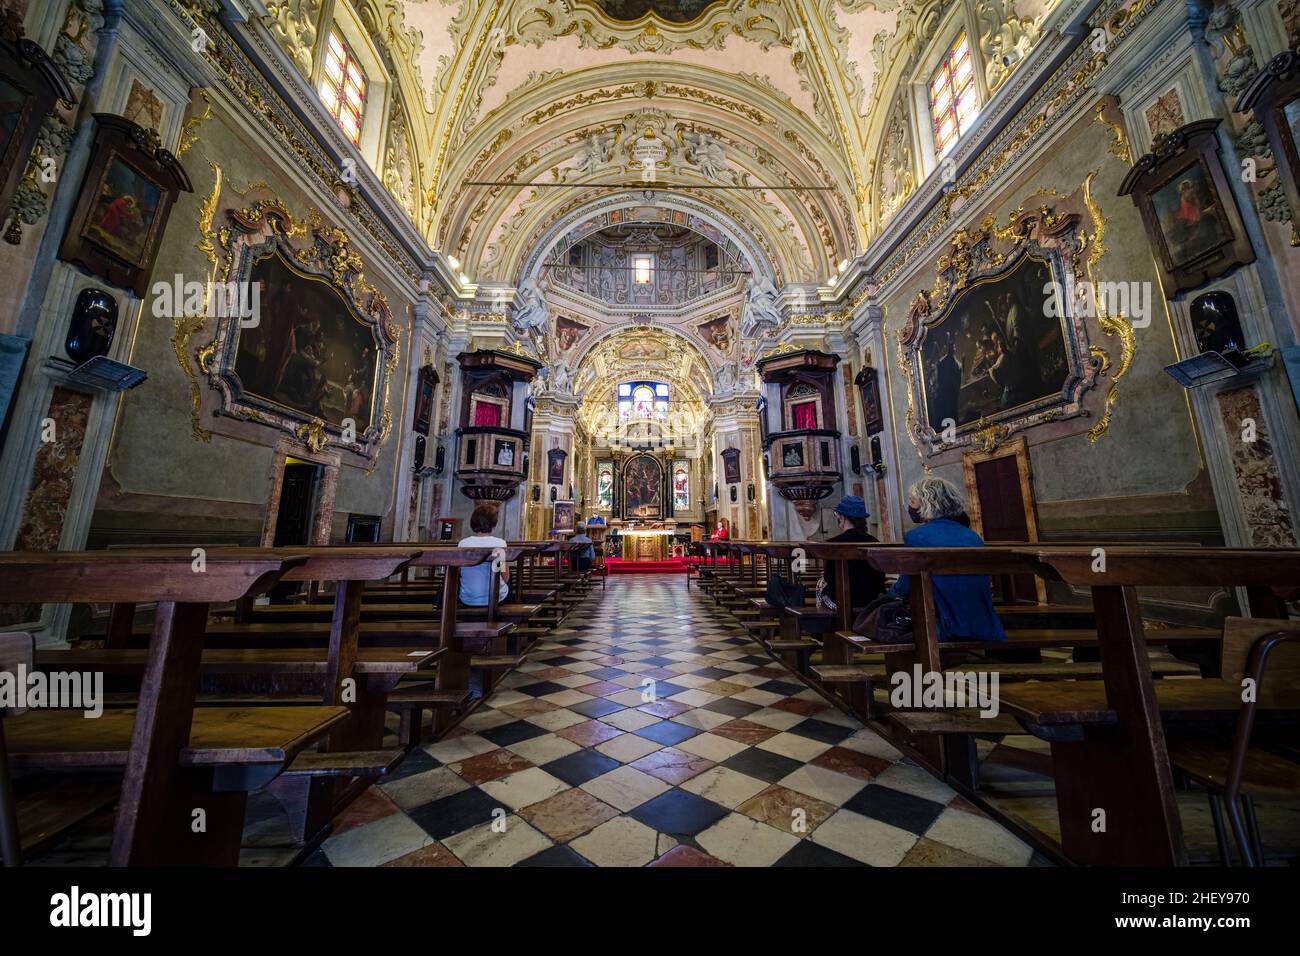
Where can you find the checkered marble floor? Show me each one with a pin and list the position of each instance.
(651, 730)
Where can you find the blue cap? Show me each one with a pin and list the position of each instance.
(851, 506)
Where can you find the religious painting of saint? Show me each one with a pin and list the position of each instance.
(310, 351)
(995, 348)
(605, 485)
(1188, 210)
(563, 520)
(13, 104)
(642, 491)
(792, 455)
(424, 400)
(681, 486)
(124, 212)
(555, 466)
(731, 465)
(504, 454)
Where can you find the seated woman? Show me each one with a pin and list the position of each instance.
(865, 582)
(475, 581)
(963, 602)
(588, 554)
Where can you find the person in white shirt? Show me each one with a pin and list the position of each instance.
(475, 581)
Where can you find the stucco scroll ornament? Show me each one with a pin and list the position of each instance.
(760, 312)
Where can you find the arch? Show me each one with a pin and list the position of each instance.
(542, 246)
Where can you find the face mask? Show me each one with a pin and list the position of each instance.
(914, 515)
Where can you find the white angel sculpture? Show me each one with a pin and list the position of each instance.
(725, 379)
(561, 378)
(760, 307)
(708, 155)
(592, 155)
(531, 314)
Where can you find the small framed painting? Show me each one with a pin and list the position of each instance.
(563, 520)
(427, 381)
(1191, 217)
(868, 383)
(125, 200)
(731, 465)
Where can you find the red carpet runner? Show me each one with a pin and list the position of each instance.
(671, 566)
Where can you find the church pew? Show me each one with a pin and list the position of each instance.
(173, 758)
(1108, 737)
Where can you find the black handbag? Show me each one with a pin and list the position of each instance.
(783, 593)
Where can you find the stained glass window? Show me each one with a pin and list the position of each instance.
(953, 95)
(343, 87)
(681, 485)
(604, 484)
(642, 400)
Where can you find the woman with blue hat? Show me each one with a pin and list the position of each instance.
(865, 582)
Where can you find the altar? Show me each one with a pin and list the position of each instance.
(648, 544)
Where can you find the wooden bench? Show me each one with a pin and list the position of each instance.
(173, 758)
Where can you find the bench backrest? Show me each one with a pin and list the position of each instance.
(1239, 637)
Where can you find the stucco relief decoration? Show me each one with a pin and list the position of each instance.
(1005, 39)
(315, 353)
(293, 23)
(655, 27)
(1003, 342)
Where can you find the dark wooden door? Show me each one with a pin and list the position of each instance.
(297, 503)
(1003, 517)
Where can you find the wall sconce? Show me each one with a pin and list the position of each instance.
(554, 495)
(537, 492)
(749, 492)
(734, 496)
(855, 459)
(439, 459)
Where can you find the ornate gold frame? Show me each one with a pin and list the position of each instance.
(268, 228)
(1049, 232)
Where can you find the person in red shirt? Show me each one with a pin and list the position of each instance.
(720, 532)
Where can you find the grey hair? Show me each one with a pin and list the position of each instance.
(582, 527)
(936, 498)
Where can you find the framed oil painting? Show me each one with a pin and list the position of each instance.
(311, 351)
(994, 349)
(868, 382)
(1274, 96)
(555, 459)
(125, 200)
(1187, 207)
(426, 382)
(997, 346)
(731, 465)
(30, 85)
(642, 488)
(321, 352)
(563, 519)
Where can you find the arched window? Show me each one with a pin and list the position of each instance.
(343, 86)
(642, 401)
(954, 99)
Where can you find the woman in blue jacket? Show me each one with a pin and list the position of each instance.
(963, 602)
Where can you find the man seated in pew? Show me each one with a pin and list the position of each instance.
(475, 581)
(866, 584)
(963, 602)
(588, 554)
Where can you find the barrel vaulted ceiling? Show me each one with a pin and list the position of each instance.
(512, 103)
